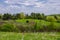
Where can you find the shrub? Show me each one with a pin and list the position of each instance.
(51, 18)
(57, 27)
(8, 27)
(38, 26)
(51, 26)
(25, 27)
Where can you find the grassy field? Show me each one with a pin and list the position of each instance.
(23, 21)
(39, 22)
(35, 20)
(29, 36)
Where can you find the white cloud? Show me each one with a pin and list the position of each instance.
(14, 6)
(6, 1)
(50, 6)
(18, 1)
(39, 4)
(25, 2)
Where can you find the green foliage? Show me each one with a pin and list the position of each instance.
(22, 16)
(29, 25)
(51, 26)
(8, 27)
(6, 16)
(37, 16)
(18, 16)
(58, 18)
(27, 16)
(26, 27)
(41, 25)
(51, 19)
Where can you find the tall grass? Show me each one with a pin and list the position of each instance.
(29, 36)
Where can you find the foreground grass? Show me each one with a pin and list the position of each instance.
(29, 36)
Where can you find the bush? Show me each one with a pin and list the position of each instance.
(51, 26)
(26, 27)
(8, 27)
(57, 27)
(39, 26)
(42, 27)
(51, 18)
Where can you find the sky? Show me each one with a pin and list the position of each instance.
(28, 6)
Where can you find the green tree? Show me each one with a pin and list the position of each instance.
(22, 15)
(33, 15)
(18, 16)
(7, 16)
(58, 18)
(40, 16)
(51, 18)
(27, 16)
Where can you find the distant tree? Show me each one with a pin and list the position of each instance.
(33, 15)
(14, 17)
(27, 16)
(40, 16)
(22, 15)
(37, 16)
(18, 16)
(43, 16)
(6, 16)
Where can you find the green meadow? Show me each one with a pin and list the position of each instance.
(29, 36)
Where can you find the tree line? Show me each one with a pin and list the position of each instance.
(39, 16)
(21, 15)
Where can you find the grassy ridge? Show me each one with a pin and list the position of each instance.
(29, 36)
(38, 21)
(33, 25)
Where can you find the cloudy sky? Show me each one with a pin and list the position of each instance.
(28, 6)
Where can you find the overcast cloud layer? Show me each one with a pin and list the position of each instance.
(28, 6)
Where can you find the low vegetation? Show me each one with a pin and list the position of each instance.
(29, 25)
(35, 26)
(35, 22)
(29, 36)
